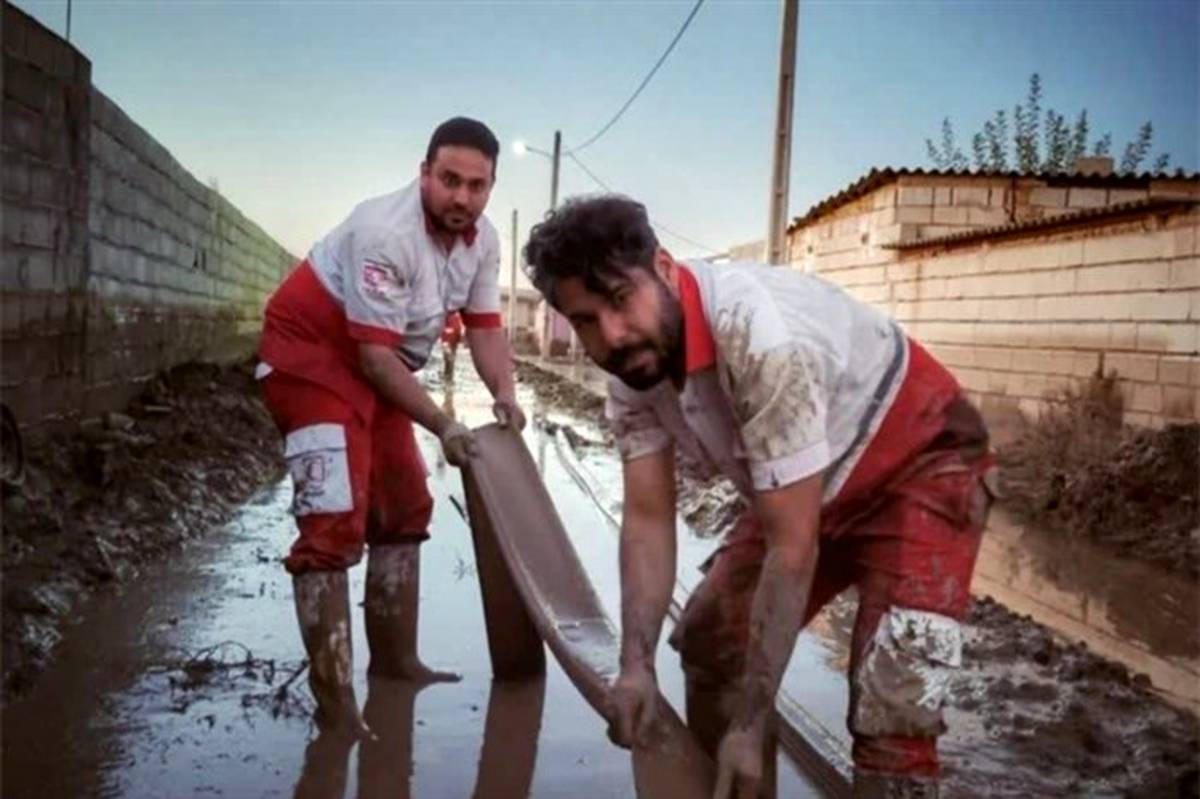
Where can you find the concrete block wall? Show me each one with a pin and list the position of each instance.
(116, 261)
(1020, 321)
(177, 273)
(43, 268)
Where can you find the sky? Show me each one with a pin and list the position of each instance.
(301, 109)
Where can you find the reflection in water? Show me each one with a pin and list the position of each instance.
(510, 735)
(385, 765)
(1123, 609)
(325, 765)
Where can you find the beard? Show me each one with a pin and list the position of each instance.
(454, 219)
(644, 365)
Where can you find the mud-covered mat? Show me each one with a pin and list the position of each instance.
(511, 510)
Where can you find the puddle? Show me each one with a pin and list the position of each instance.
(117, 715)
(1121, 608)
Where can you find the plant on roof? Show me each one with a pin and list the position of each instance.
(1039, 143)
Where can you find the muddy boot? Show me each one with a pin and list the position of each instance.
(390, 609)
(323, 609)
(870, 785)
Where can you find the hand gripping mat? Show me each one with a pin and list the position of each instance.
(512, 515)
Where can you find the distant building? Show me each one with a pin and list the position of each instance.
(524, 325)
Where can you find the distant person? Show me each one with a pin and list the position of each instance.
(858, 453)
(451, 337)
(343, 335)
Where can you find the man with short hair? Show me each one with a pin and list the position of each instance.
(343, 335)
(861, 461)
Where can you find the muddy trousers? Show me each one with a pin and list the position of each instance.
(910, 556)
(357, 480)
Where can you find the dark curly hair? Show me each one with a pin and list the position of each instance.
(594, 238)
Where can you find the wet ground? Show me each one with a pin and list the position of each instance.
(188, 680)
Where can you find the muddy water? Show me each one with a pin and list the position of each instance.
(172, 688)
(1122, 609)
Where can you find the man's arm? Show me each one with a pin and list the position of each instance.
(493, 361)
(389, 376)
(789, 517)
(647, 577)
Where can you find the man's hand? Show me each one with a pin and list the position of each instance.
(508, 413)
(633, 707)
(739, 764)
(458, 443)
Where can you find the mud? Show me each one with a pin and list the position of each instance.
(1077, 469)
(564, 396)
(1030, 714)
(100, 501)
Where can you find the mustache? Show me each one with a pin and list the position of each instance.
(618, 359)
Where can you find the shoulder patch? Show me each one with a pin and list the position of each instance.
(380, 281)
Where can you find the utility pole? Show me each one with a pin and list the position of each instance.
(512, 284)
(68, 36)
(781, 161)
(547, 320)
(554, 169)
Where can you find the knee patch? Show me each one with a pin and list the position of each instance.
(316, 458)
(904, 676)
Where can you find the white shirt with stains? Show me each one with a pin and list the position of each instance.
(389, 273)
(802, 378)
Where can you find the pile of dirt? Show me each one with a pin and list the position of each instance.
(98, 500)
(1066, 720)
(561, 394)
(1080, 470)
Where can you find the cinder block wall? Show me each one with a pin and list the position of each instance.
(44, 204)
(177, 273)
(116, 261)
(1024, 319)
(1019, 319)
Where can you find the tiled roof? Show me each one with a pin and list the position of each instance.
(881, 177)
(1086, 215)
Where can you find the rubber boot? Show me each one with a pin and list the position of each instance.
(323, 610)
(871, 785)
(391, 614)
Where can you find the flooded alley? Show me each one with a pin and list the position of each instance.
(188, 681)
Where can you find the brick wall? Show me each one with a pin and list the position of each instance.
(43, 268)
(117, 262)
(177, 273)
(1020, 318)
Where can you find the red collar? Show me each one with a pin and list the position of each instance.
(699, 349)
(468, 236)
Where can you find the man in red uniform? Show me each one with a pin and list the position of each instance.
(342, 337)
(452, 335)
(860, 459)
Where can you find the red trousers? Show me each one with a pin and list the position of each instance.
(905, 531)
(356, 478)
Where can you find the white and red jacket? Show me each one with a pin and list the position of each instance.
(380, 276)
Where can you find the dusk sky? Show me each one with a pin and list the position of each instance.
(302, 109)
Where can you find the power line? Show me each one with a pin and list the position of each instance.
(656, 225)
(646, 80)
